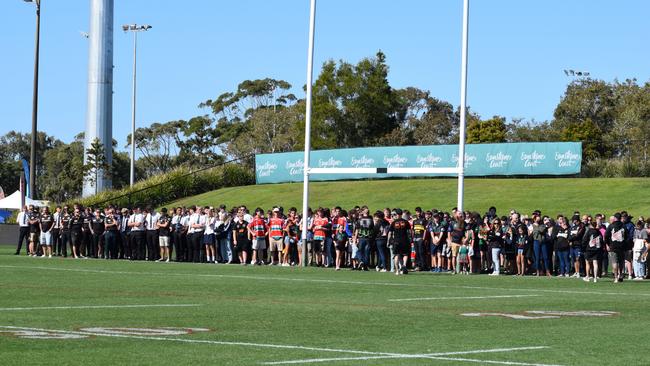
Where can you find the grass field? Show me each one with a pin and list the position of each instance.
(551, 195)
(264, 315)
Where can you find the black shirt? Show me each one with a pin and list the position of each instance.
(400, 229)
(162, 220)
(33, 227)
(495, 239)
(419, 228)
(47, 221)
(76, 221)
(97, 224)
(241, 232)
(111, 223)
(65, 221)
(365, 226)
(616, 236)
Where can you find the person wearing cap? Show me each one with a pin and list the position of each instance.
(399, 237)
(577, 231)
(616, 237)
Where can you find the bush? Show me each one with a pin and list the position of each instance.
(168, 187)
(615, 168)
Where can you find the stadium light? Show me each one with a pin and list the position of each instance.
(134, 28)
(32, 153)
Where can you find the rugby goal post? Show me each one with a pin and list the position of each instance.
(459, 170)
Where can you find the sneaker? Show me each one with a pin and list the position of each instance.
(576, 275)
(629, 277)
(586, 279)
(50, 256)
(638, 278)
(595, 279)
(167, 261)
(382, 270)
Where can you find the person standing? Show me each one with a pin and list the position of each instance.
(76, 233)
(419, 230)
(495, 240)
(111, 231)
(209, 235)
(258, 230)
(197, 224)
(23, 233)
(96, 231)
(33, 218)
(163, 226)
(640, 243)
(153, 244)
(575, 240)
(616, 237)
(224, 237)
(276, 237)
(363, 235)
(125, 235)
(65, 233)
(241, 238)
(56, 231)
(399, 236)
(46, 223)
(138, 240)
(560, 235)
(86, 250)
(592, 241)
(178, 233)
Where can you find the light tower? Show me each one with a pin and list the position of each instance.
(99, 117)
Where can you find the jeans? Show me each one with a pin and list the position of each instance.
(540, 249)
(364, 250)
(328, 250)
(110, 247)
(419, 252)
(225, 249)
(565, 266)
(639, 268)
(381, 252)
(495, 259)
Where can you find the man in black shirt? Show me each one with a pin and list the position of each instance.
(616, 237)
(65, 232)
(46, 222)
(163, 226)
(399, 236)
(33, 218)
(241, 238)
(85, 250)
(419, 230)
(96, 232)
(363, 233)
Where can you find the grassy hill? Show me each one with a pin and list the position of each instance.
(551, 195)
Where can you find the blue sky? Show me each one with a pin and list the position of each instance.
(197, 50)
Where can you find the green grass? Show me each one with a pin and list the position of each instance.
(345, 311)
(552, 195)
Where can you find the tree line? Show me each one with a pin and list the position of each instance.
(354, 105)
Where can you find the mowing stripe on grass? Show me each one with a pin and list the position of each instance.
(101, 307)
(368, 354)
(463, 298)
(318, 280)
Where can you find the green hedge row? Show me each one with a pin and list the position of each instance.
(171, 186)
(615, 168)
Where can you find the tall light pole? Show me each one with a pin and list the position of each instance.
(32, 153)
(135, 29)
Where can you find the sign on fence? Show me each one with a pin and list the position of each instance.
(538, 158)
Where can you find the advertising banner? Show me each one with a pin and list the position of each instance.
(537, 158)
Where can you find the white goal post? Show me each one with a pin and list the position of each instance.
(458, 170)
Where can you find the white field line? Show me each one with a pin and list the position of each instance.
(305, 348)
(318, 280)
(433, 356)
(101, 307)
(463, 298)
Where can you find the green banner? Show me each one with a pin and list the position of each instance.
(537, 158)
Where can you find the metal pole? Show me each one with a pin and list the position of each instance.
(32, 154)
(463, 108)
(305, 189)
(135, 48)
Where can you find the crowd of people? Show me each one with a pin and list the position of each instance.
(389, 240)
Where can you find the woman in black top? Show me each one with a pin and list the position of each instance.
(560, 235)
(495, 240)
(592, 241)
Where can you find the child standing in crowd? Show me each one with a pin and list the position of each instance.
(163, 226)
(463, 258)
(521, 241)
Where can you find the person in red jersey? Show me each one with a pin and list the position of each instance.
(258, 229)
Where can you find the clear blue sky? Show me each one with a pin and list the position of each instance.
(199, 49)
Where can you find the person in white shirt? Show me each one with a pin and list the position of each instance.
(196, 227)
(56, 231)
(185, 238)
(23, 233)
(208, 234)
(151, 218)
(136, 223)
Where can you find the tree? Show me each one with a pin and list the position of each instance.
(201, 144)
(489, 131)
(584, 99)
(590, 135)
(355, 102)
(158, 146)
(96, 166)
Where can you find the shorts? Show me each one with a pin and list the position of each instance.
(340, 245)
(629, 256)
(446, 250)
(318, 246)
(33, 237)
(592, 255)
(454, 249)
(617, 257)
(243, 246)
(164, 241)
(276, 244)
(208, 239)
(259, 244)
(520, 251)
(402, 249)
(46, 238)
(576, 253)
(434, 248)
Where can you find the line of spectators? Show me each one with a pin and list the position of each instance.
(386, 240)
